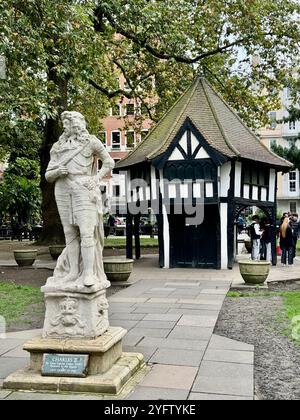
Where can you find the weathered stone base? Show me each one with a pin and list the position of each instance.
(110, 382)
(103, 351)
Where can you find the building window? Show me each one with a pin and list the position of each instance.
(292, 125)
(116, 190)
(102, 137)
(293, 207)
(144, 134)
(129, 109)
(116, 140)
(272, 118)
(292, 181)
(130, 139)
(116, 110)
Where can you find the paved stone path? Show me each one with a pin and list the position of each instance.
(171, 322)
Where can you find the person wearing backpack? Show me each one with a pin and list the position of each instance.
(255, 235)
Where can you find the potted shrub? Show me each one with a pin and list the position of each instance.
(117, 268)
(25, 257)
(254, 272)
(56, 250)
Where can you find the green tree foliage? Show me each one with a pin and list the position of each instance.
(64, 54)
(20, 194)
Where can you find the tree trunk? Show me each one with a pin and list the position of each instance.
(52, 228)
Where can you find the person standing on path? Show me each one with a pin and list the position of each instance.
(255, 235)
(286, 243)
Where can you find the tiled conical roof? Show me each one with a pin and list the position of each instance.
(219, 124)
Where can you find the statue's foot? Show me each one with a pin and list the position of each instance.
(70, 277)
(87, 280)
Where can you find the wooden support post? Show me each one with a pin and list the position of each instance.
(129, 231)
(137, 236)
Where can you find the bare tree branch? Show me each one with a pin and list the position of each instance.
(110, 94)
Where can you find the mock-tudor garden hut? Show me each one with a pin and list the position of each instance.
(202, 140)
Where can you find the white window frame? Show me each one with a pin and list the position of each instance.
(120, 111)
(111, 140)
(144, 131)
(294, 181)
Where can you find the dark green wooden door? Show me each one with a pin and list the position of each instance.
(195, 245)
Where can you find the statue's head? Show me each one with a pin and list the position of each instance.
(73, 122)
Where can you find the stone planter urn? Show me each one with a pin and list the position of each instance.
(117, 268)
(25, 257)
(254, 272)
(56, 250)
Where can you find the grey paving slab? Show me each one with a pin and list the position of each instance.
(11, 364)
(156, 324)
(148, 393)
(173, 343)
(233, 356)
(210, 297)
(201, 307)
(218, 342)
(4, 394)
(162, 289)
(146, 351)
(132, 339)
(127, 317)
(153, 309)
(150, 332)
(214, 291)
(224, 378)
(24, 335)
(162, 300)
(177, 357)
(128, 325)
(191, 333)
(7, 344)
(116, 299)
(171, 377)
(213, 397)
(162, 317)
(182, 311)
(182, 284)
(201, 301)
(17, 352)
(198, 320)
(185, 292)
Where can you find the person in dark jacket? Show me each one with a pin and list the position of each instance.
(266, 239)
(296, 230)
(286, 243)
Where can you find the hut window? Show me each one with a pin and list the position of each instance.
(264, 194)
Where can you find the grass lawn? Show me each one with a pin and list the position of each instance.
(120, 242)
(15, 299)
(291, 302)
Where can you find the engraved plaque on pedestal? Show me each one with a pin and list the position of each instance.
(74, 365)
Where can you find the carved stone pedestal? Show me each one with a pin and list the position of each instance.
(108, 368)
(70, 314)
